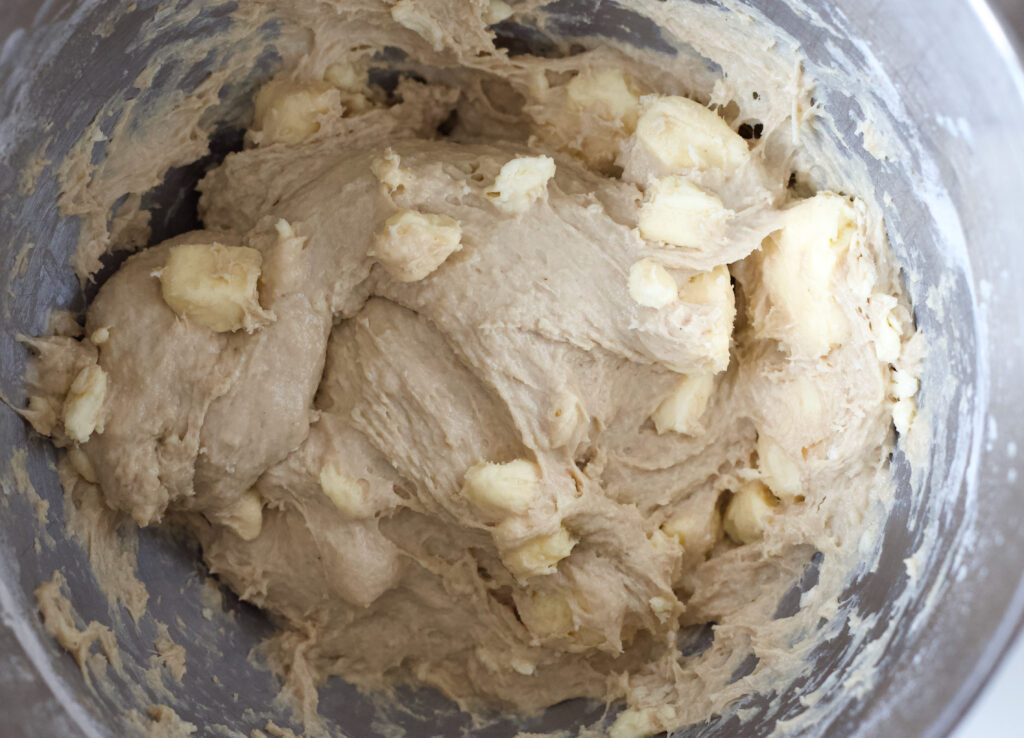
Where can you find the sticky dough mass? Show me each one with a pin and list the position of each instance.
(506, 416)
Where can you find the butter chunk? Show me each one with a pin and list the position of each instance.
(714, 289)
(502, 489)
(83, 406)
(680, 213)
(546, 614)
(540, 555)
(905, 386)
(799, 269)
(497, 11)
(591, 115)
(81, 464)
(412, 245)
(606, 93)
(778, 470)
(748, 512)
(903, 414)
(348, 495)
(683, 134)
(214, 286)
(641, 722)
(904, 383)
(697, 529)
(886, 327)
(245, 517)
(345, 77)
(388, 171)
(351, 85)
(522, 182)
(289, 112)
(682, 410)
(651, 285)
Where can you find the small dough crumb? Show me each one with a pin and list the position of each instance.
(60, 620)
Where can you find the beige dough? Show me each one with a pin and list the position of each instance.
(500, 412)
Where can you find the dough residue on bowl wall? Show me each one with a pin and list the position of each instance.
(515, 376)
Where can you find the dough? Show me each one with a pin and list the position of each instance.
(507, 411)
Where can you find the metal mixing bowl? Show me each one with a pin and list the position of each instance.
(953, 217)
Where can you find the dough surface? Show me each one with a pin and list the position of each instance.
(513, 410)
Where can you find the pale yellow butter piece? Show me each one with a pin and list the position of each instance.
(497, 11)
(641, 722)
(347, 494)
(748, 512)
(290, 112)
(903, 414)
(546, 614)
(714, 289)
(591, 115)
(682, 410)
(83, 406)
(100, 336)
(502, 489)
(798, 272)
(683, 134)
(388, 171)
(680, 213)
(245, 517)
(651, 285)
(522, 182)
(540, 555)
(412, 245)
(886, 328)
(345, 76)
(606, 93)
(351, 84)
(521, 666)
(695, 529)
(81, 464)
(805, 402)
(904, 383)
(214, 286)
(904, 387)
(778, 470)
